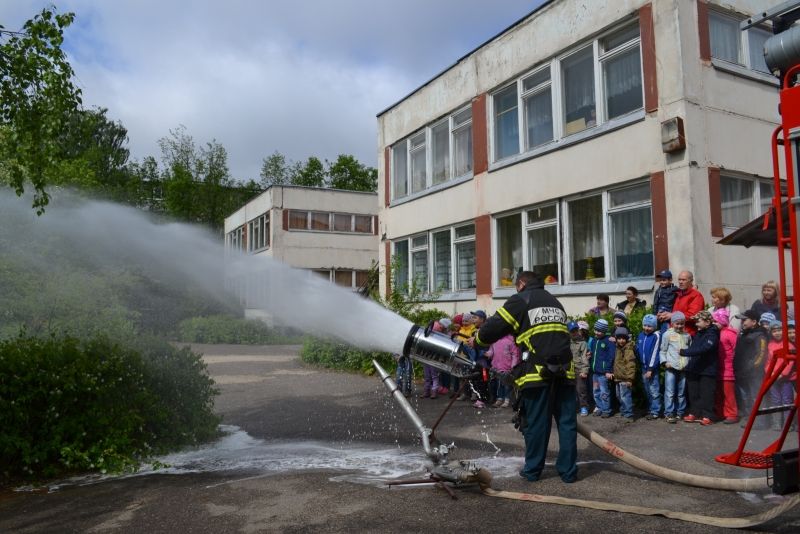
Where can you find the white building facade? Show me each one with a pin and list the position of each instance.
(329, 232)
(595, 143)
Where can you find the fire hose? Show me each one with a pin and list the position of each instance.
(421, 347)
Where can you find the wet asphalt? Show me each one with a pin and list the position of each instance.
(270, 394)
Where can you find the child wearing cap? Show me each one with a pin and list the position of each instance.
(581, 363)
(781, 393)
(766, 319)
(624, 372)
(648, 345)
(701, 370)
(664, 297)
(602, 353)
(748, 362)
(725, 397)
(673, 340)
(504, 354)
(620, 320)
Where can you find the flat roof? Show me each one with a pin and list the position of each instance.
(465, 56)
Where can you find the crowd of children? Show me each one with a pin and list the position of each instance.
(709, 373)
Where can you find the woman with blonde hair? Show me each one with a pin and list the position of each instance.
(721, 300)
(770, 299)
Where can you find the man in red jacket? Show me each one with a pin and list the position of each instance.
(687, 300)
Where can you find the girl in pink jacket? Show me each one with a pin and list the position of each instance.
(725, 401)
(504, 354)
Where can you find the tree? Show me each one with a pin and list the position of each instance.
(310, 174)
(348, 173)
(274, 170)
(37, 100)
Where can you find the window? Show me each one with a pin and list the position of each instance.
(418, 163)
(597, 82)
(442, 264)
(631, 230)
(434, 155)
(322, 221)
(343, 278)
(419, 262)
(605, 235)
(235, 239)
(400, 266)
(509, 249)
(586, 238)
(362, 278)
(342, 222)
(622, 72)
(465, 257)
(728, 43)
(743, 199)
(298, 220)
(258, 230)
(506, 124)
(450, 259)
(363, 224)
(578, 81)
(543, 252)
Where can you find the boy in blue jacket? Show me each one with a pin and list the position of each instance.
(664, 298)
(647, 346)
(602, 354)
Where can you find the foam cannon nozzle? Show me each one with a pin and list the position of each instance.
(438, 350)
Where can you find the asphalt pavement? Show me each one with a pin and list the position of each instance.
(309, 450)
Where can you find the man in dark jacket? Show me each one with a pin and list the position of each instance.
(701, 371)
(545, 376)
(748, 360)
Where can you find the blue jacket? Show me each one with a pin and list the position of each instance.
(647, 346)
(603, 353)
(703, 352)
(664, 298)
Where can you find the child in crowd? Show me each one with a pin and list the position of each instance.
(725, 396)
(602, 354)
(674, 339)
(504, 354)
(430, 374)
(648, 345)
(701, 370)
(664, 298)
(620, 320)
(781, 393)
(766, 319)
(581, 363)
(624, 371)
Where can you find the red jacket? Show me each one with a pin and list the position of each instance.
(727, 347)
(789, 372)
(689, 302)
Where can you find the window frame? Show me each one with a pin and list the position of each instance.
(557, 86)
(261, 224)
(742, 39)
(404, 146)
(331, 222)
(563, 229)
(755, 202)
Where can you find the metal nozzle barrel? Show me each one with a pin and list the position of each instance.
(437, 350)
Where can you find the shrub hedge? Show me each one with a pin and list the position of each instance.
(67, 405)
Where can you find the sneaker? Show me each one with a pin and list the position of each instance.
(425, 395)
(690, 419)
(506, 404)
(474, 397)
(597, 413)
(606, 415)
(705, 421)
(433, 395)
(672, 419)
(479, 404)
(730, 421)
(628, 419)
(498, 403)
(651, 416)
(584, 411)
(443, 390)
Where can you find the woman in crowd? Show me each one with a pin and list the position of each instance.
(632, 301)
(769, 301)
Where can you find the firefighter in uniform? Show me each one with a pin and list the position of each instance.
(545, 376)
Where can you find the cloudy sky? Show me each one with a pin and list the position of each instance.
(303, 77)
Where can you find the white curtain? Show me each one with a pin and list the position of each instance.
(623, 83)
(633, 243)
(724, 36)
(539, 111)
(586, 231)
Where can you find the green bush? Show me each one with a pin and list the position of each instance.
(67, 405)
(334, 355)
(232, 330)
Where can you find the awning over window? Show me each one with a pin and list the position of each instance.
(759, 232)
